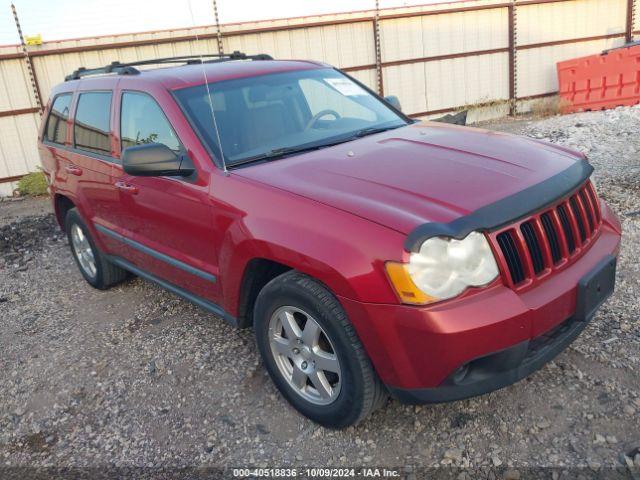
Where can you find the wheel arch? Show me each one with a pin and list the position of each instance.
(62, 204)
(257, 273)
(252, 264)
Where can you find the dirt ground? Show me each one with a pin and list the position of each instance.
(135, 377)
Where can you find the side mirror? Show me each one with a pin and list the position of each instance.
(155, 160)
(393, 101)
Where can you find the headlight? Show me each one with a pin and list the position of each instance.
(443, 268)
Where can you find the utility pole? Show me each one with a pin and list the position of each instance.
(29, 62)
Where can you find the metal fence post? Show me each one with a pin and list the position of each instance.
(378, 53)
(631, 14)
(218, 31)
(513, 60)
(29, 62)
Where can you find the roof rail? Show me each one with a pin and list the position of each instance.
(129, 68)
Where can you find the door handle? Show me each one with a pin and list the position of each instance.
(73, 170)
(127, 187)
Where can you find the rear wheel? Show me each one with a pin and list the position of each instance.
(94, 267)
(312, 352)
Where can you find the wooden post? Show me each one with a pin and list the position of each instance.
(29, 62)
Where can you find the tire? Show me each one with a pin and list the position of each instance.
(104, 274)
(356, 390)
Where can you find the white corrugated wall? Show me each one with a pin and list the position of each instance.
(435, 85)
(410, 38)
(18, 152)
(343, 45)
(536, 73)
(549, 22)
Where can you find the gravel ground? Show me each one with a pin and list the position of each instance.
(135, 377)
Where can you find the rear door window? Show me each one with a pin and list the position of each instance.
(56, 130)
(91, 127)
(143, 121)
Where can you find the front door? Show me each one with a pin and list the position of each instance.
(170, 218)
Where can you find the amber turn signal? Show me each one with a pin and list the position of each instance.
(402, 283)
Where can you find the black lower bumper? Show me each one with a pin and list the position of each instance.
(499, 369)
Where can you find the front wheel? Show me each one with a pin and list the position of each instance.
(312, 352)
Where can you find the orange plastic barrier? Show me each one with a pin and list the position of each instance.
(597, 82)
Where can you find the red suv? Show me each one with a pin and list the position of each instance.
(372, 254)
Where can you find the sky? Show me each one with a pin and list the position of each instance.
(61, 19)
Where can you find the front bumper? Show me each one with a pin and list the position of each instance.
(503, 368)
(498, 369)
(480, 342)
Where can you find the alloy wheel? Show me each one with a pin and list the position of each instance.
(83, 251)
(305, 355)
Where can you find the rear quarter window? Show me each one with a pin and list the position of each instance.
(91, 126)
(56, 130)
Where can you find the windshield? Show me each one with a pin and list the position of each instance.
(272, 115)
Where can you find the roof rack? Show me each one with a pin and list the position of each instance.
(129, 68)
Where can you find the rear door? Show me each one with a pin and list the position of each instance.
(91, 159)
(168, 220)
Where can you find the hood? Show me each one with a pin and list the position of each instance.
(427, 172)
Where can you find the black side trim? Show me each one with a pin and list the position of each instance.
(155, 254)
(507, 210)
(201, 302)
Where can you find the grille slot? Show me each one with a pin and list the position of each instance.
(552, 237)
(510, 251)
(594, 202)
(533, 245)
(587, 206)
(575, 208)
(566, 228)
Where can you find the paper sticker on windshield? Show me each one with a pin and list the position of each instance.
(345, 86)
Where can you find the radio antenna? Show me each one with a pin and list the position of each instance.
(206, 83)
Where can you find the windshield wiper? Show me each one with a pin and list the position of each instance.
(283, 151)
(371, 130)
(276, 153)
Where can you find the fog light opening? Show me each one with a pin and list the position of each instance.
(460, 374)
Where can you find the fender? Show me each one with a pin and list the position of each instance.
(321, 249)
(251, 249)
